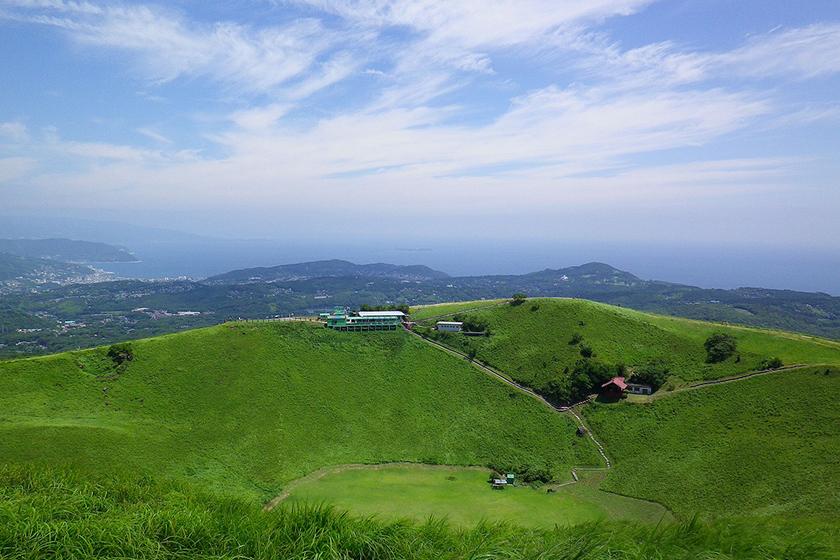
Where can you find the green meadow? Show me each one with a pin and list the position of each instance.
(768, 445)
(539, 340)
(246, 407)
(464, 497)
(60, 515)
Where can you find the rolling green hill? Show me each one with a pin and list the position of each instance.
(768, 445)
(246, 407)
(536, 342)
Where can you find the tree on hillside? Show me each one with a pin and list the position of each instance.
(587, 377)
(558, 390)
(654, 373)
(518, 298)
(719, 347)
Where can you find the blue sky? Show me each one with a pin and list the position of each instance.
(686, 121)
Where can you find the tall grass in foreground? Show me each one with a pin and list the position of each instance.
(51, 514)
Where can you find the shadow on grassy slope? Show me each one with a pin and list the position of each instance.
(247, 407)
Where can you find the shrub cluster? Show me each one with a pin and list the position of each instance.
(473, 324)
(121, 354)
(654, 373)
(771, 363)
(720, 347)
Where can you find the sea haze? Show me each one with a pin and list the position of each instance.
(709, 267)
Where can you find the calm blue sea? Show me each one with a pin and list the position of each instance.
(711, 267)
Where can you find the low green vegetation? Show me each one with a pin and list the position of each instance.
(464, 498)
(768, 445)
(544, 342)
(247, 407)
(59, 515)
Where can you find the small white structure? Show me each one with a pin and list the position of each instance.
(449, 326)
(639, 389)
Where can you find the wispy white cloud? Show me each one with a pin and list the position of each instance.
(798, 53)
(260, 118)
(104, 151)
(331, 71)
(802, 53)
(13, 131)
(55, 5)
(477, 23)
(402, 140)
(808, 115)
(166, 46)
(14, 168)
(154, 135)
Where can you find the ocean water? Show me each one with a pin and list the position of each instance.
(710, 267)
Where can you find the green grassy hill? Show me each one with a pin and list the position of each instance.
(768, 445)
(56, 515)
(246, 407)
(227, 416)
(532, 342)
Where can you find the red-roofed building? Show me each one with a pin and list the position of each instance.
(614, 388)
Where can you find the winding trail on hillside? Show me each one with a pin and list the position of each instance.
(570, 410)
(733, 379)
(527, 391)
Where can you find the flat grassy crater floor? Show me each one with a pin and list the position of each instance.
(531, 342)
(54, 515)
(768, 445)
(247, 407)
(464, 497)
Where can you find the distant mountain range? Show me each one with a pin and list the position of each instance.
(66, 250)
(106, 311)
(326, 269)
